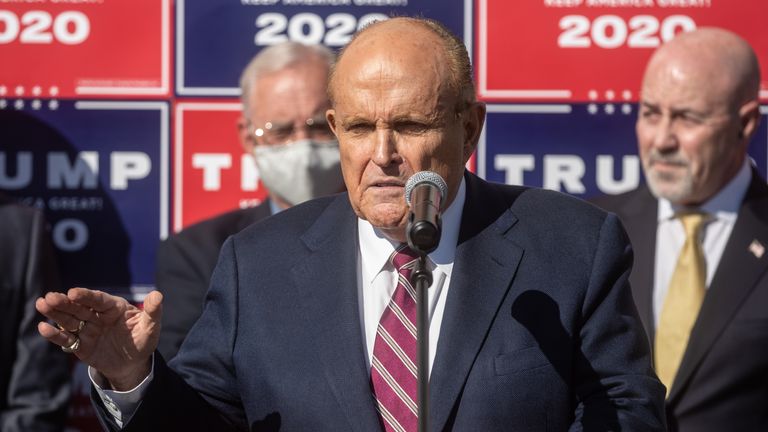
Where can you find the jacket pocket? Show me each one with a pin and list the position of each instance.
(519, 361)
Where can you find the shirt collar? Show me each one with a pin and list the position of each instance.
(376, 249)
(273, 207)
(724, 205)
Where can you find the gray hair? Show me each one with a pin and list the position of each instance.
(279, 57)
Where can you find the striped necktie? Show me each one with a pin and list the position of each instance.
(683, 301)
(393, 368)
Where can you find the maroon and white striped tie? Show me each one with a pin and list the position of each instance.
(393, 368)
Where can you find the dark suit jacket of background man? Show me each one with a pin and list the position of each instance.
(185, 262)
(722, 383)
(538, 311)
(34, 374)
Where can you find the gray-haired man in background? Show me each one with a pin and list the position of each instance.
(283, 125)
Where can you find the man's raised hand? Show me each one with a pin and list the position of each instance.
(106, 332)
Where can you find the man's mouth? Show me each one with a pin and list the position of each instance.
(389, 184)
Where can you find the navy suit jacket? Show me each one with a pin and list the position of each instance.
(539, 332)
(184, 264)
(722, 383)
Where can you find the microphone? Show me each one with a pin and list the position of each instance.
(424, 193)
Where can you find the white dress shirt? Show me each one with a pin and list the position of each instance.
(722, 210)
(376, 283)
(377, 278)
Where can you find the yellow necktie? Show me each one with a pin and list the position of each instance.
(683, 301)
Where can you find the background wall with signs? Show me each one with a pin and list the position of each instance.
(118, 117)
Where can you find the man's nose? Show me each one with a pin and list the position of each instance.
(300, 133)
(384, 147)
(665, 137)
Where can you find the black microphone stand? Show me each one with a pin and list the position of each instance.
(421, 279)
(423, 235)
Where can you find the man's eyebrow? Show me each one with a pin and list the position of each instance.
(417, 117)
(354, 120)
(690, 112)
(651, 105)
(674, 110)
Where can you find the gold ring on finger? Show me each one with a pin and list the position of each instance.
(73, 347)
(79, 328)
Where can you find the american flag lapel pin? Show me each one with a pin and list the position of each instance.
(757, 248)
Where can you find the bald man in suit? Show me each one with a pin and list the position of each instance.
(699, 110)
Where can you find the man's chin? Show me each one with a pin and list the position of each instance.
(675, 192)
(391, 224)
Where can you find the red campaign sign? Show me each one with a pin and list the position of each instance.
(589, 50)
(212, 174)
(85, 48)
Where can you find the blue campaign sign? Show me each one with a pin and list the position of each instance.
(581, 149)
(216, 39)
(99, 169)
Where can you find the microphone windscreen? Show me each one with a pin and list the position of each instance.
(425, 177)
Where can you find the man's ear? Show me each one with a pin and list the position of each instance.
(245, 135)
(749, 120)
(473, 127)
(330, 117)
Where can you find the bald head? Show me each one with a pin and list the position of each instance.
(715, 56)
(412, 40)
(699, 109)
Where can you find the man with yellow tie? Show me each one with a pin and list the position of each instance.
(699, 229)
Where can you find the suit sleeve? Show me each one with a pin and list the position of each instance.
(183, 283)
(615, 385)
(39, 386)
(198, 390)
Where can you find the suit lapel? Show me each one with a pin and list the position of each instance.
(736, 276)
(254, 215)
(484, 266)
(639, 217)
(326, 282)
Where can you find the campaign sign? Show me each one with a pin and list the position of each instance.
(216, 39)
(581, 149)
(99, 169)
(212, 174)
(593, 50)
(85, 48)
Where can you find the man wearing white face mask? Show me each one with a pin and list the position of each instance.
(300, 170)
(283, 125)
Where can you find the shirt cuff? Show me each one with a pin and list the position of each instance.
(121, 404)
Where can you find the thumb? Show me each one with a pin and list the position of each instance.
(153, 305)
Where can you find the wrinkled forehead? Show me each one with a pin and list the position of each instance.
(393, 55)
(387, 87)
(396, 69)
